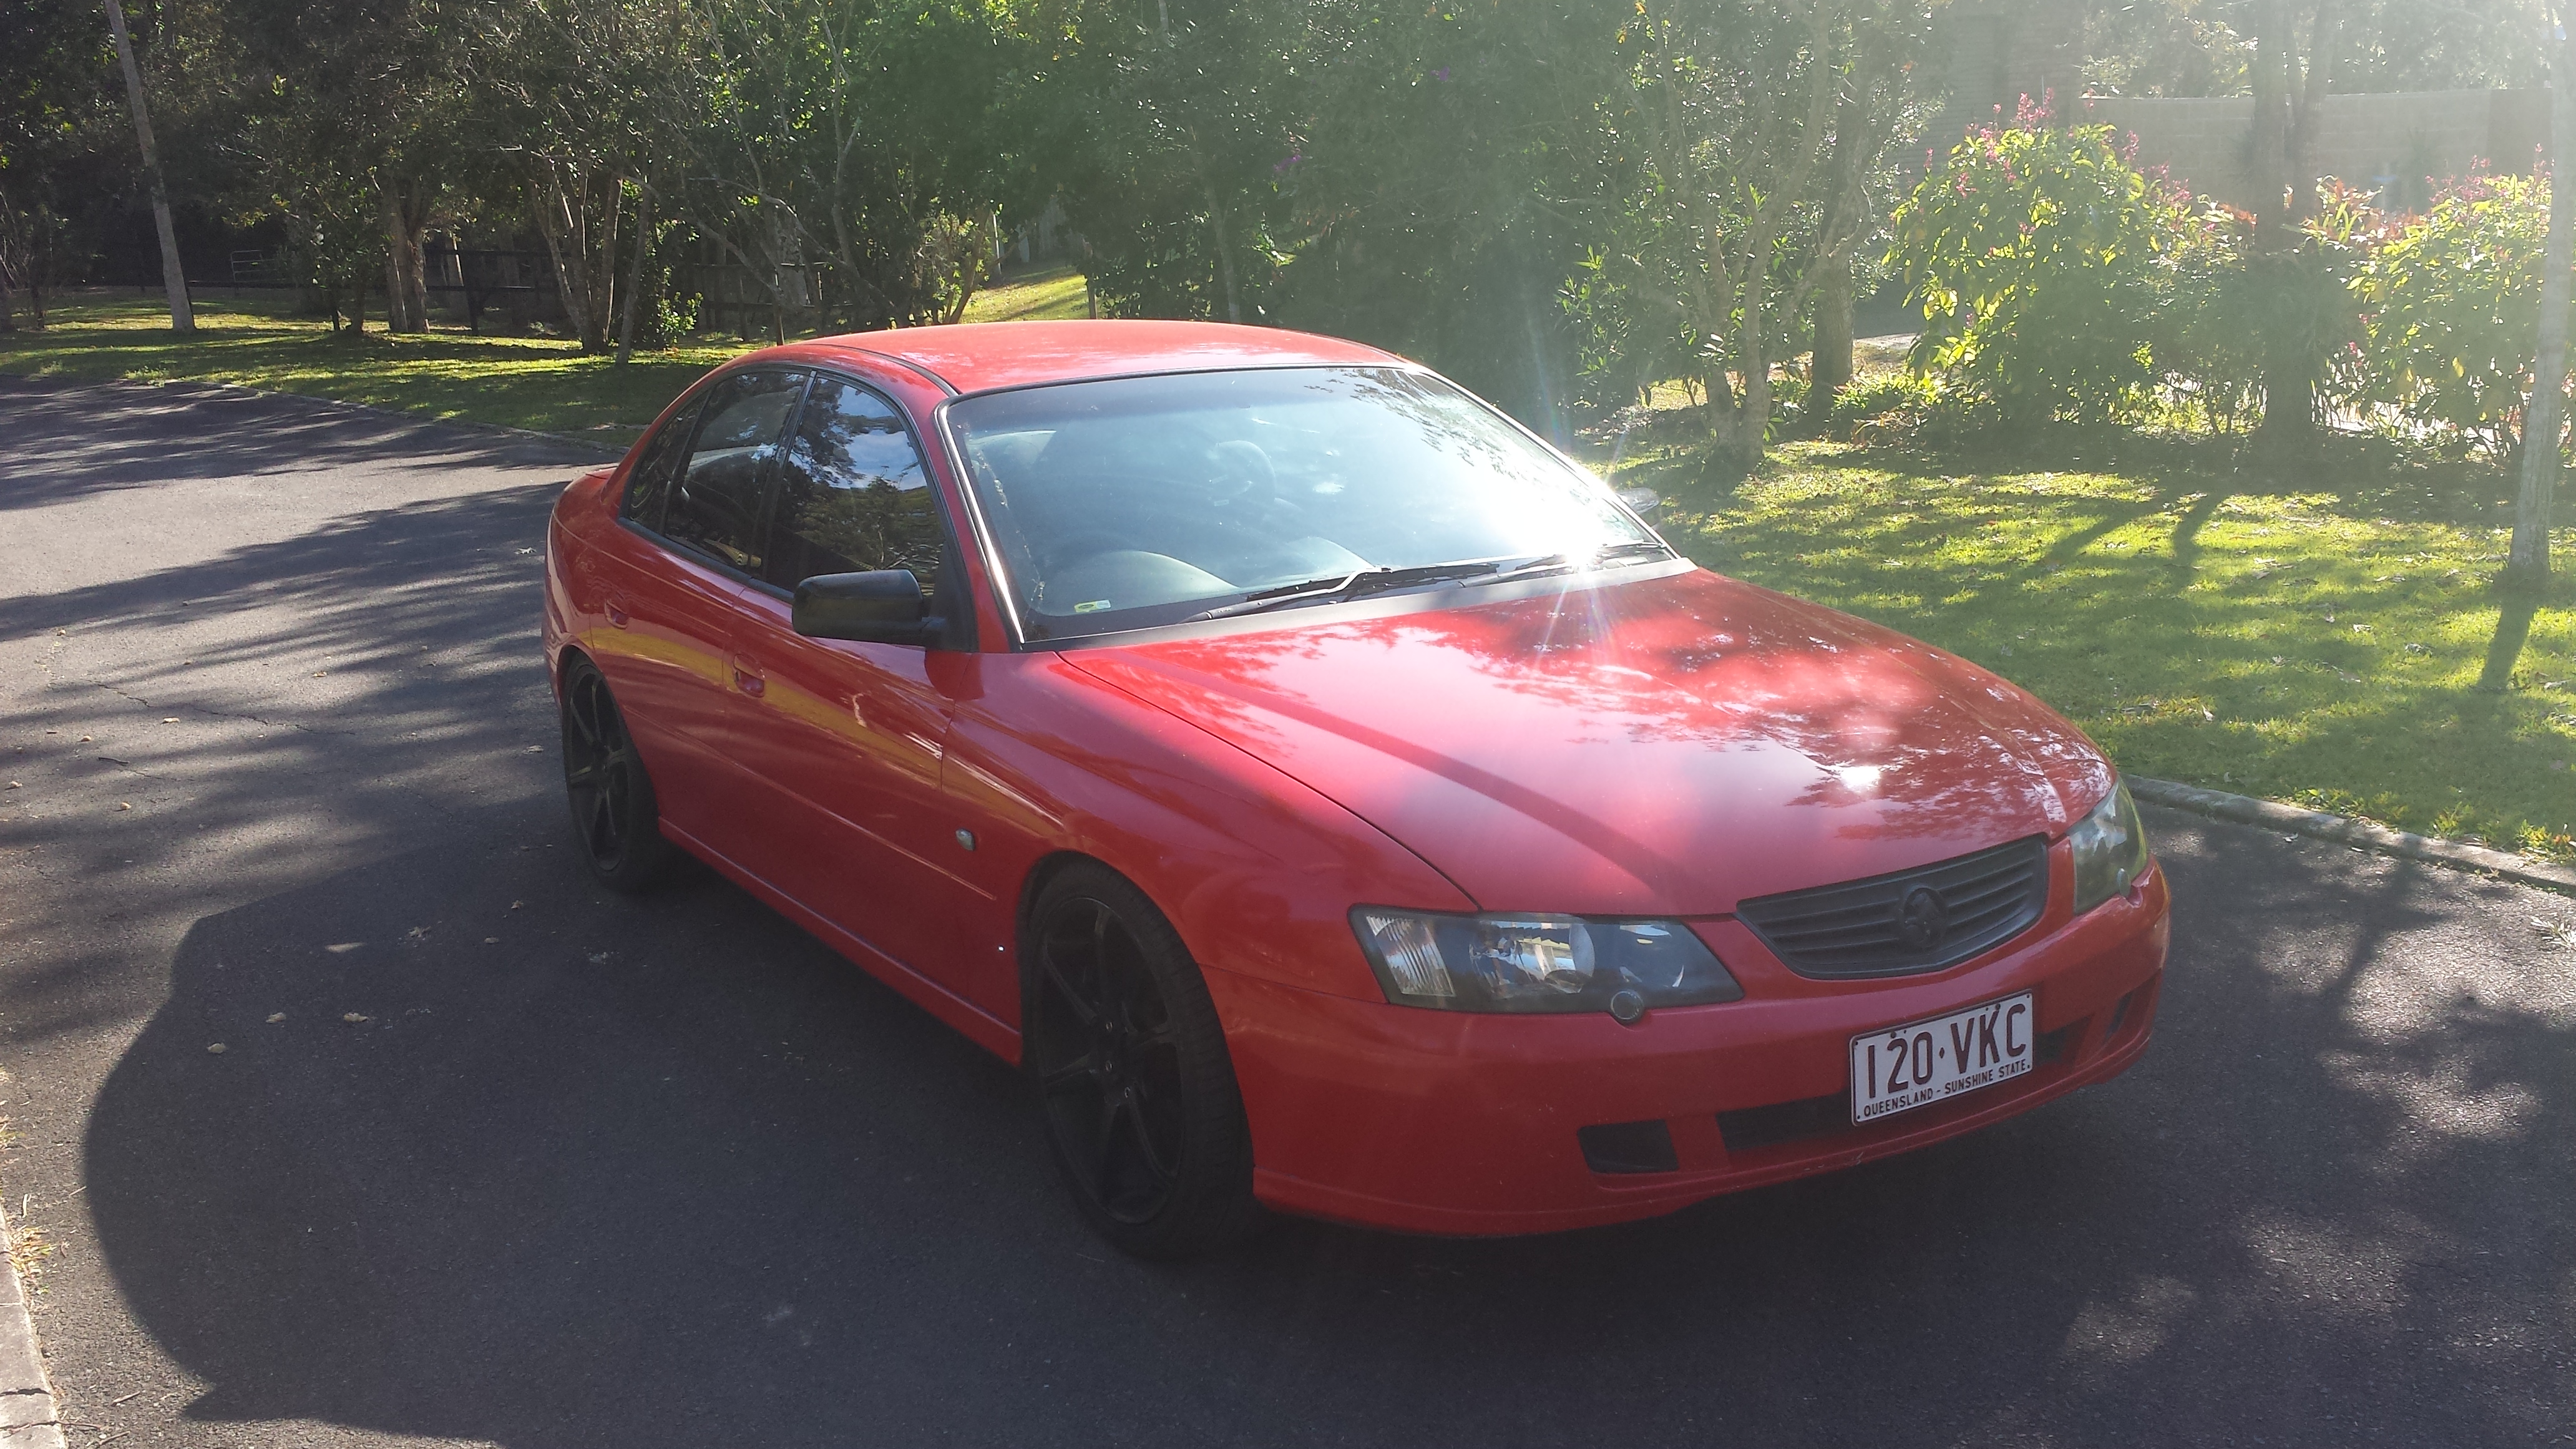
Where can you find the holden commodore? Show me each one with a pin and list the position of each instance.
(1334, 799)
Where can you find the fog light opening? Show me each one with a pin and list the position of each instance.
(1628, 1148)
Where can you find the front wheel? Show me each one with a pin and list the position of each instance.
(1132, 1072)
(604, 782)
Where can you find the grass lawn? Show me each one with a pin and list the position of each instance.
(2340, 645)
(2345, 650)
(520, 382)
(1044, 294)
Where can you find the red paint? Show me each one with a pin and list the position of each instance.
(1659, 742)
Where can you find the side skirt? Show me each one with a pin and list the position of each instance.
(982, 1027)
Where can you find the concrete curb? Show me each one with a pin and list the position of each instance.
(29, 1418)
(2272, 815)
(186, 385)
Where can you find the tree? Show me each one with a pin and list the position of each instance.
(174, 278)
(2542, 417)
(1748, 133)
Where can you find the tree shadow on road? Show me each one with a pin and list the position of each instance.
(670, 1173)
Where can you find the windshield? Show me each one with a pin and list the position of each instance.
(1136, 502)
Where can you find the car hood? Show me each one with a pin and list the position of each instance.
(1662, 745)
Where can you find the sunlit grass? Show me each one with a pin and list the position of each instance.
(540, 383)
(2345, 651)
(1044, 295)
(521, 382)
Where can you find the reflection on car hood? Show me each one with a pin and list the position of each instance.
(1668, 745)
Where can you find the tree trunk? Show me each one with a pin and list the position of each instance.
(2285, 141)
(397, 315)
(402, 205)
(2528, 557)
(2270, 171)
(1831, 370)
(635, 276)
(183, 316)
(563, 219)
(1224, 244)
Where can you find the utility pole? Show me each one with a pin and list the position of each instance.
(183, 319)
(2528, 558)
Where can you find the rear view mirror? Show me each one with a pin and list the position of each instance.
(884, 606)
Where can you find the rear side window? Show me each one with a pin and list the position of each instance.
(648, 486)
(716, 500)
(852, 494)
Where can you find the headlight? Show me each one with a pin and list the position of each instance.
(2110, 850)
(1539, 963)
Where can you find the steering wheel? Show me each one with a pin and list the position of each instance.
(1079, 544)
(1243, 472)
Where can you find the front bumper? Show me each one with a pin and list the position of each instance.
(1441, 1122)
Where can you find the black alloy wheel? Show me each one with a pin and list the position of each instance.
(604, 781)
(1132, 1073)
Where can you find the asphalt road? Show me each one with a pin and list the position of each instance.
(594, 1172)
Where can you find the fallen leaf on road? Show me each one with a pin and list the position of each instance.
(353, 1018)
(169, 719)
(124, 804)
(514, 905)
(217, 1048)
(491, 940)
(275, 1017)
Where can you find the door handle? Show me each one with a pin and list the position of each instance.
(617, 615)
(748, 682)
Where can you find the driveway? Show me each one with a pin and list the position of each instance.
(491, 1157)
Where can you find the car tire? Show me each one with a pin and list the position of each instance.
(614, 812)
(1133, 1078)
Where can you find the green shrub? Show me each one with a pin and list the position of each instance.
(2243, 321)
(2451, 305)
(2043, 262)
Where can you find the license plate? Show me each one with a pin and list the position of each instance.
(1899, 1068)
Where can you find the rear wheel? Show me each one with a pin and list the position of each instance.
(1132, 1072)
(604, 781)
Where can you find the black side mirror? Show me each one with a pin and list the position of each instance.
(884, 606)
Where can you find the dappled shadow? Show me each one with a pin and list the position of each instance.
(2513, 630)
(2185, 544)
(667, 1173)
(63, 445)
(2199, 627)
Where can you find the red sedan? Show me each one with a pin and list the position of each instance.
(1332, 797)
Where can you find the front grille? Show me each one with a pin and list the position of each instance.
(1914, 920)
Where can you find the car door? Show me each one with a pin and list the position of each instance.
(855, 730)
(684, 593)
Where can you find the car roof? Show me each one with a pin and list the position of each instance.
(979, 356)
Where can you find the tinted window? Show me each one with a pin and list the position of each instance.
(716, 503)
(852, 494)
(648, 486)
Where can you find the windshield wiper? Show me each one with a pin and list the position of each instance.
(1341, 588)
(1559, 563)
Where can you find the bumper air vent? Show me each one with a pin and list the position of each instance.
(1628, 1147)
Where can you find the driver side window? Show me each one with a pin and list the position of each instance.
(716, 500)
(852, 495)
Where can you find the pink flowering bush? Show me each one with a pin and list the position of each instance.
(2044, 262)
(2452, 308)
